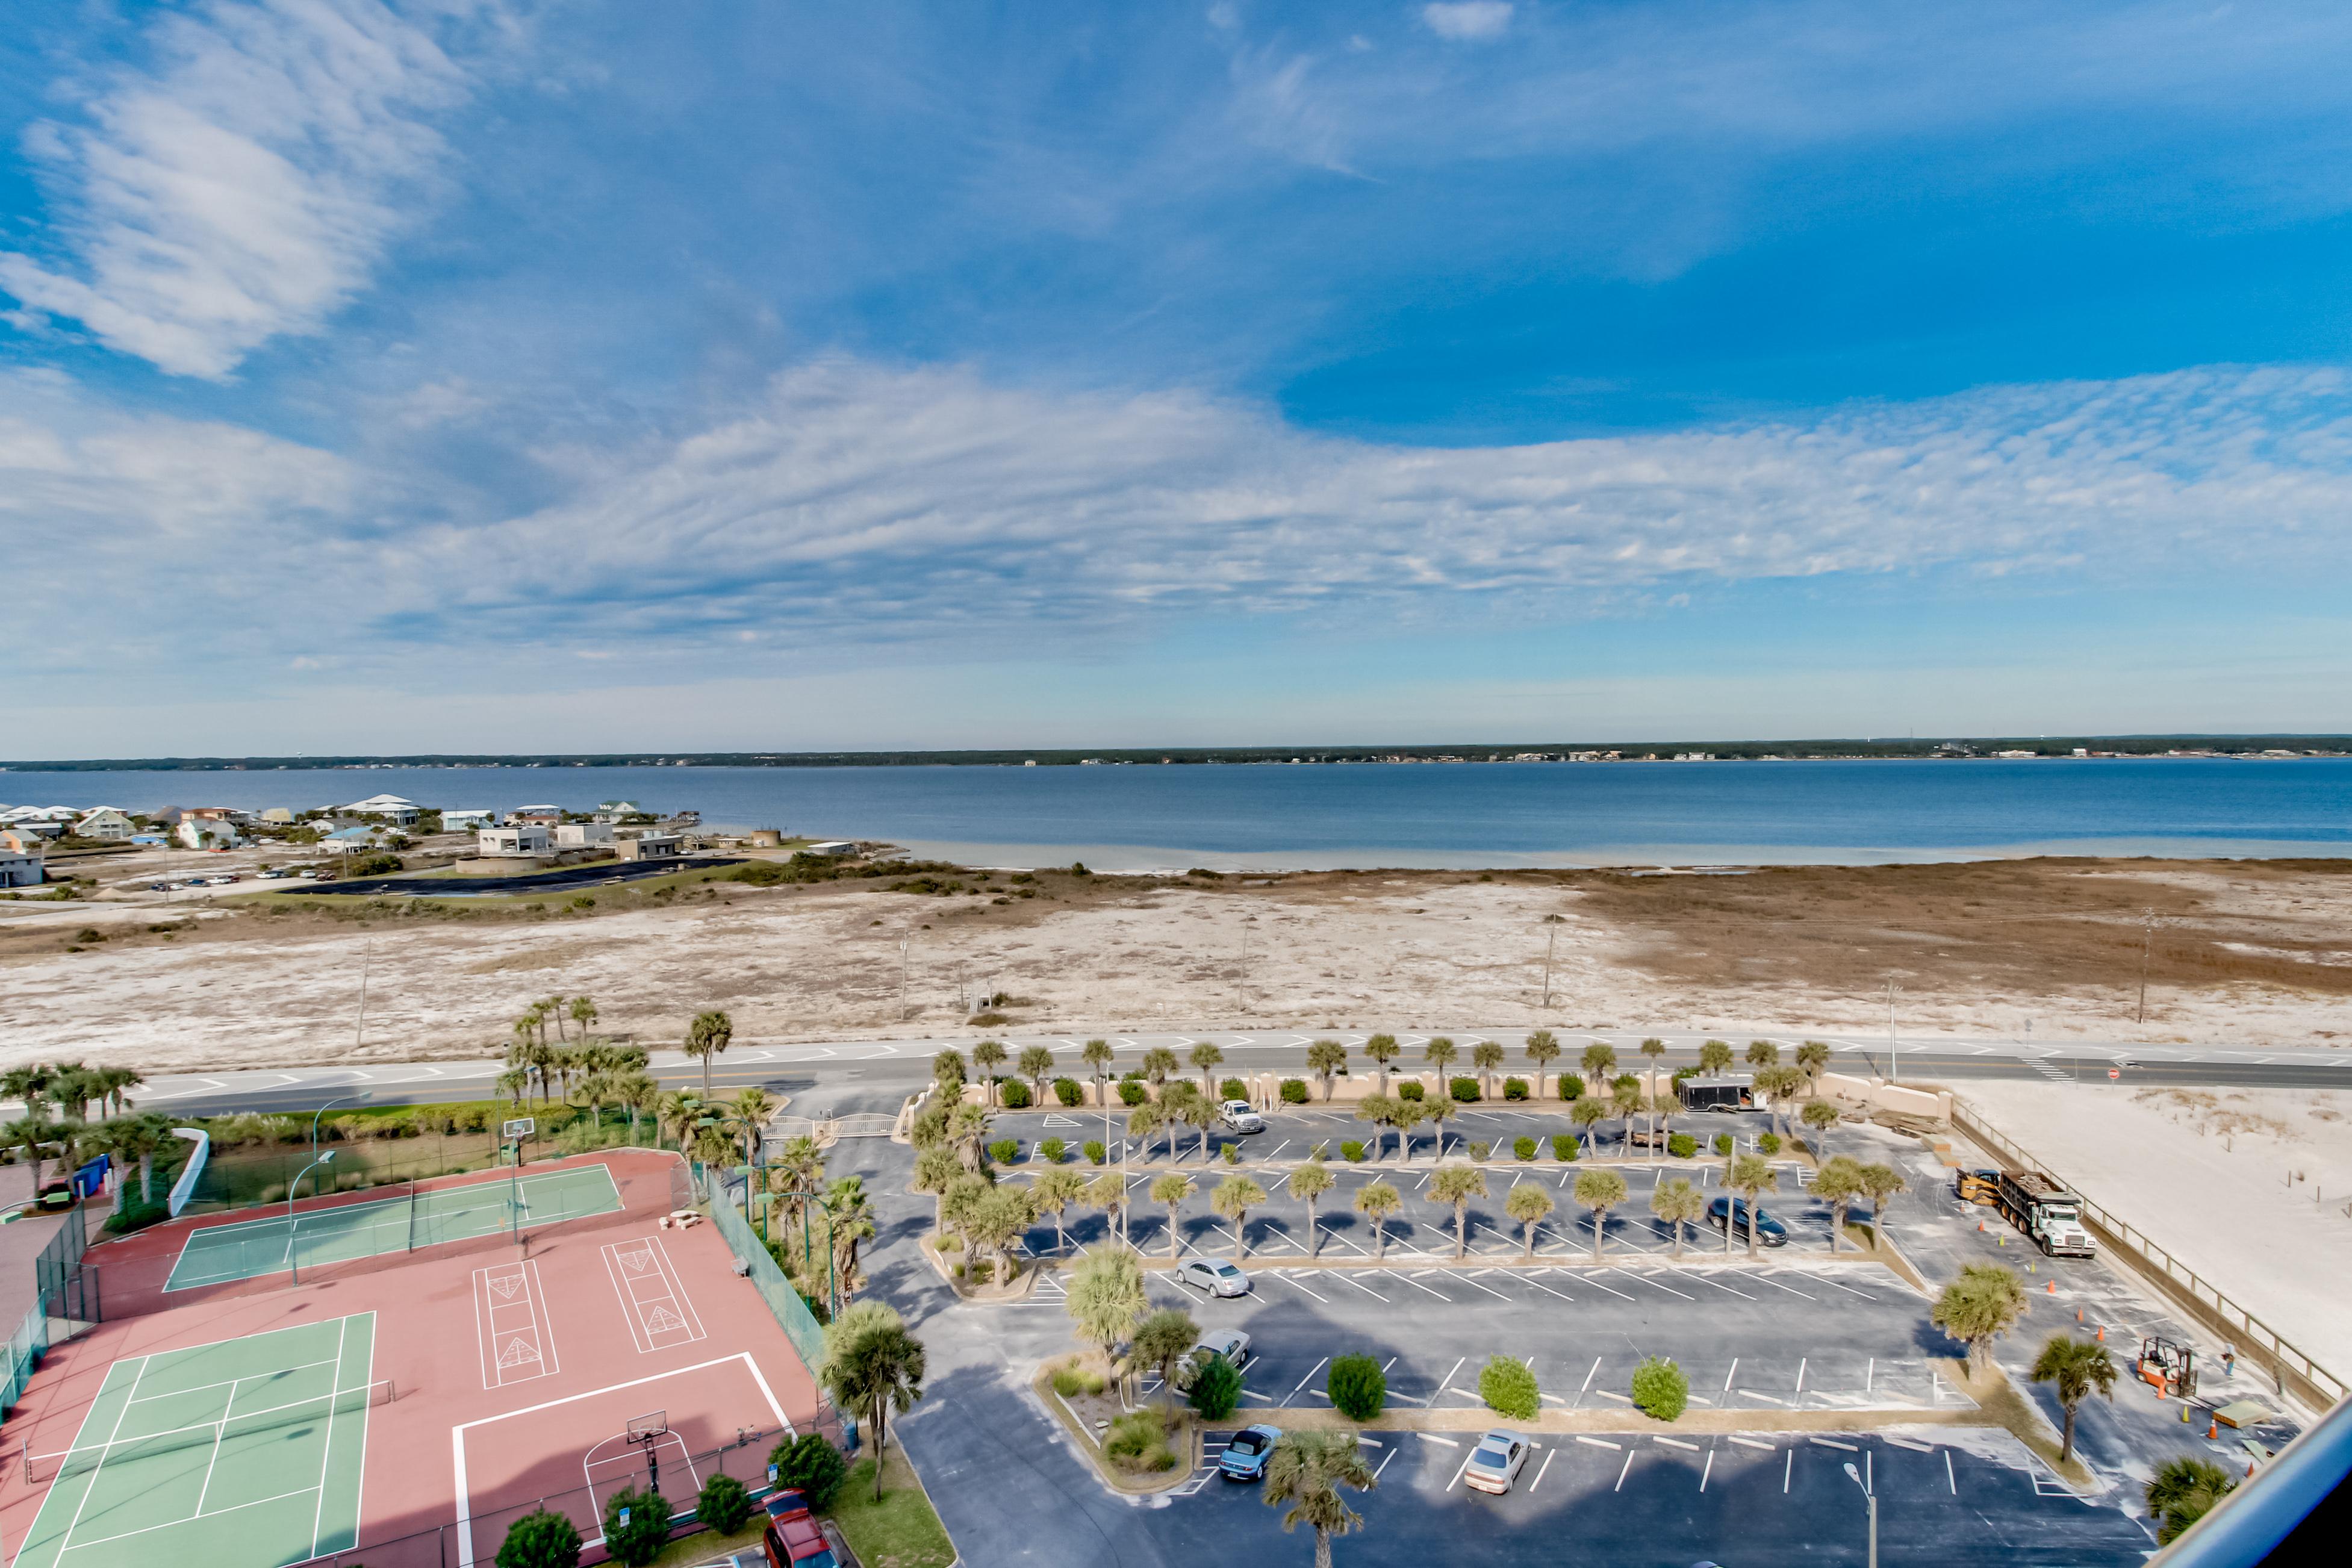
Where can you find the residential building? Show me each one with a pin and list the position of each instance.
(37, 827)
(106, 824)
(391, 808)
(197, 832)
(540, 815)
(619, 810)
(653, 847)
(19, 866)
(22, 841)
(582, 835)
(278, 816)
(468, 820)
(344, 840)
(832, 847)
(523, 839)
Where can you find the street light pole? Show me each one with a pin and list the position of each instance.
(1871, 1499)
(293, 1251)
(1894, 1063)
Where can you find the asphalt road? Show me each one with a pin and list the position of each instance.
(568, 879)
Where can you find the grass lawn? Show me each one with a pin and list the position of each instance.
(900, 1531)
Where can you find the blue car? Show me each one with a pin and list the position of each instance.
(1769, 1232)
(1246, 1454)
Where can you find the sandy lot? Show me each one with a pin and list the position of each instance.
(2253, 1188)
(2239, 952)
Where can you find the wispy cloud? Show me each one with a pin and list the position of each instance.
(244, 181)
(1467, 20)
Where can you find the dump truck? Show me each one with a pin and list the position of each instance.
(2047, 1212)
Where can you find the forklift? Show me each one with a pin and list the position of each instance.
(2168, 1366)
(1977, 1186)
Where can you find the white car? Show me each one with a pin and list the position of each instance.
(1215, 1276)
(1230, 1344)
(1238, 1115)
(1496, 1462)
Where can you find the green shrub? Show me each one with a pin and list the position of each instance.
(1350, 1150)
(543, 1539)
(1515, 1089)
(982, 1270)
(1004, 1151)
(1660, 1389)
(724, 1504)
(1722, 1144)
(1683, 1072)
(1070, 1090)
(1410, 1088)
(1358, 1386)
(1508, 1388)
(1233, 1089)
(1294, 1091)
(1051, 1150)
(1096, 1152)
(1479, 1151)
(1232, 1153)
(1768, 1143)
(812, 1466)
(1132, 1092)
(1563, 1146)
(1462, 1089)
(1068, 1383)
(1572, 1086)
(1139, 1442)
(1015, 1093)
(641, 1540)
(1524, 1147)
(1681, 1145)
(1216, 1389)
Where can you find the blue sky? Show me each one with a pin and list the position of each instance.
(416, 375)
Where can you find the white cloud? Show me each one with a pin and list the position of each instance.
(245, 184)
(1467, 20)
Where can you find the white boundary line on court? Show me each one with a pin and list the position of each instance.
(641, 1331)
(542, 1328)
(458, 1433)
(588, 1463)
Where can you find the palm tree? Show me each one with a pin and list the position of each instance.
(1036, 1066)
(1714, 1057)
(1653, 1048)
(1586, 1112)
(1307, 1183)
(634, 1092)
(1777, 1084)
(1326, 1060)
(1762, 1054)
(1599, 1191)
(2184, 1490)
(947, 1074)
(1439, 1053)
(1881, 1182)
(988, 1056)
(1107, 1295)
(1159, 1062)
(968, 1134)
(1055, 1189)
(999, 1215)
(1382, 1049)
(1144, 1120)
(750, 1111)
(113, 1082)
(1161, 1343)
(1678, 1204)
(1379, 1111)
(675, 1111)
(1819, 1116)
(1542, 1048)
(1307, 1472)
(1981, 1306)
(1171, 1190)
(848, 1220)
(937, 1170)
(29, 1084)
(2074, 1368)
(552, 1007)
(1233, 1198)
(1528, 1204)
(1108, 1192)
(1599, 1062)
(1751, 1176)
(515, 1084)
(1205, 1059)
(1487, 1056)
(1837, 1183)
(1407, 1114)
(584, 1013)
(1097, 1055)
(33, 1134)
(1457, 1185)
(1435, 1111)
(1199, 1113)
(706, 1037)
(1379, 1202)
(871, 1375)
(1626, 1100)
(1812, 1060)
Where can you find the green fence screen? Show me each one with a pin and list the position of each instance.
(792, 1314)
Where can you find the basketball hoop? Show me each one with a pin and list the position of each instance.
(647, 1431)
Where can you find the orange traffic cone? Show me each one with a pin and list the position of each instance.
(2212, 1431)
(2103, 1333)
(2053, 1286)
(2250, 1469)
(2078, 1314)
(1979, 1227)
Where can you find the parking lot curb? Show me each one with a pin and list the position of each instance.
(1692, 1422)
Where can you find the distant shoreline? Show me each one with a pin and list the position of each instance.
(2071, 748)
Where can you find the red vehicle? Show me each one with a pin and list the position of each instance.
(793, 1538)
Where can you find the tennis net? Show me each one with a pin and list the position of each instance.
(83, 1458)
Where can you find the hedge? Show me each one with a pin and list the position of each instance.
(1016, 1092)
(1358, 1386)
(1660, 1389)
(1464, 1089)
(1515, 1089)
(1294, 1091)
(1563, 1146)
(1070, 1090)
(1508, 1388)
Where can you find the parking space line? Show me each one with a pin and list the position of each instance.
(1754, 1443)
(1547, 1290)
(1433, 1437)
(1310, 1376)
(1409, 1280)
(1675, 1442)
(1647, 1280)
(1344, 1278)
(1620, 1474)
(1787, 1470)
(1474, 1284)
(1849, 1289)
(1384, 1465)
(1588, 1380)
(1597, 1285)
(1544, 1468)
(1709, 1471)
(1711, 1279)
(1599, 1443)
(1832, 1443)
(1728, 1375)
(1286, 1279)
(1949, 1480)
(1792, 1289)
(1457, 1471)
(1802, 1362)
(1449, 1376)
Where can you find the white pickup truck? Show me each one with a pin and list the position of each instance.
(1238, 1115)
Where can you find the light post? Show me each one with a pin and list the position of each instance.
(1871, 1499)
(346, 1099)
(293, 1237)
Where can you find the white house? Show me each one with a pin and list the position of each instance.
(527, 838)
(466, 820)
(20, 868)
(540, 815)
(108, 823)
(582, 835)
(278, 816)
(390, 807)
(207, 833)
(652, 847)
(832, 847)
(345, 840)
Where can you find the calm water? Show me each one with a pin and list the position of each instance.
(1362, 814)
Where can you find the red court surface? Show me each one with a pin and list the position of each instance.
(517, 1371)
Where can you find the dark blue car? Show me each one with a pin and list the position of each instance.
(1769, 1232)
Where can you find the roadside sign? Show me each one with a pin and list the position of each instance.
(2114, 1073)
(624, 1519)
(521, 1127)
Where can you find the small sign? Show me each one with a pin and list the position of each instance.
(624, 1519)
(772, 1475)
(2114, 1073)
(521, 1127)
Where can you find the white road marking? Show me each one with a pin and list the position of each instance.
(1599, 1443)
(1543, 1468)
(1310, 1376)
(1753, 1443)
(1620, 1474)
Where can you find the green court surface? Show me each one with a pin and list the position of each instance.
(244, 1454)
(249, 1248)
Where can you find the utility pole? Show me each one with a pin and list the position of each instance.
(1242, 990)
(904, 940)
(367, 957)
(1551, 935)
(1893, 1064)
(2146, 942)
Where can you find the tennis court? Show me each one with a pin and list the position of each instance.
(245, 1453)
(247, 1250)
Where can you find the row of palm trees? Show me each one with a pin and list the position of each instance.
(58, 1121)
(834, 1218)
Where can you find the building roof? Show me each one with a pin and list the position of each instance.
(347, 836)
(382, 802)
